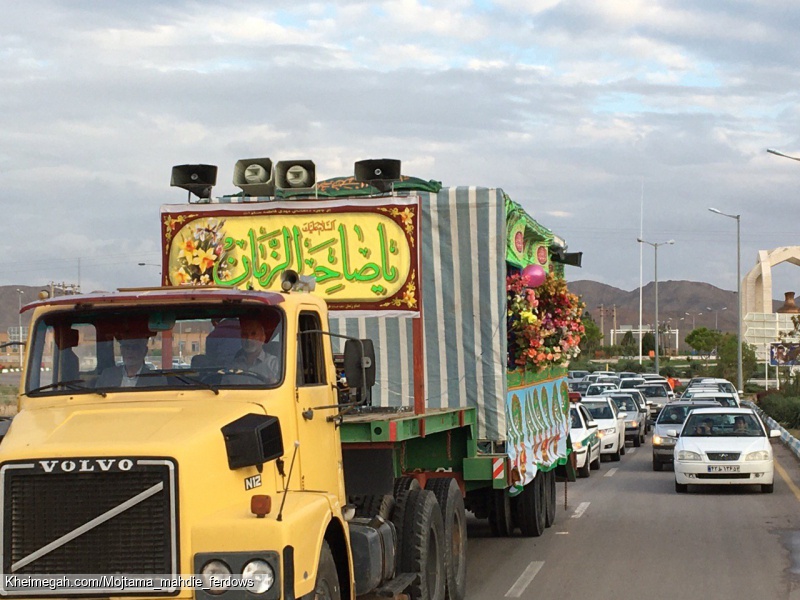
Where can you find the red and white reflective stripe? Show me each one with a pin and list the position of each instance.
(497, 468)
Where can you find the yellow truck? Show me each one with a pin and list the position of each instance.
(288, 415)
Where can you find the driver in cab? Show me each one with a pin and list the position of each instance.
(253, 356)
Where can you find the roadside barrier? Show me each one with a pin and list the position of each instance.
(787, 438)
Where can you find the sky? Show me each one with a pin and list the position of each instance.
(600, 118)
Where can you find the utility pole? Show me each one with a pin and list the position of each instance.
(602, 326)
(615, 322)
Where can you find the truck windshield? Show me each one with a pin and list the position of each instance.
(103, 350)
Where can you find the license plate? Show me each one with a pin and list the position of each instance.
(723, 468)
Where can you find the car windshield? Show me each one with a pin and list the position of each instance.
(654, 391)
(722, 425)
(600, 411)
(103, 349)
(575, 420)
(673, 415)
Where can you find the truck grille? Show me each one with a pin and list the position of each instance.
(117, 520)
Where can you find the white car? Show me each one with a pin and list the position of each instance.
(610, 422)
(723, 446)
(596, 389)
(585, 439)
(722, 398)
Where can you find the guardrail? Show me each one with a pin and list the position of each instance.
(787, 438)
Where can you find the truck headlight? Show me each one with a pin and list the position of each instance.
(216, 577)
(688, 455)
(759, 455)
(262, 575)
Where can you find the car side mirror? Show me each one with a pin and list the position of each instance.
(623, 415)
(591, 424)
(774, 433)
(672, 432)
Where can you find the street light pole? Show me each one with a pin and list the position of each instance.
(739, 375)
(655, 246)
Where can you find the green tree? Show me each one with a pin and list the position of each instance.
(704, 341)
(591, 334)
(628, 344)
(648, 343)
(727, 359)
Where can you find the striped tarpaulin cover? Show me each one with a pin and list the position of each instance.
(463, 290)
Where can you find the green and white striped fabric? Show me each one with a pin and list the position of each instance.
(463, 243)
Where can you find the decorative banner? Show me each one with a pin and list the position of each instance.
(363, 254)
(538, 426)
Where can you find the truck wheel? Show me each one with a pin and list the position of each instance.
(375, 505)
(530, 509)
(402, 487)
(500, 518)
(448, 495)
(423, 546)
(327, 585)
(550, 498)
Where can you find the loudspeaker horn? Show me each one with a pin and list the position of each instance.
(378, 172)
(572, 259)
(254, 176)
(298, 176)
(196, 179)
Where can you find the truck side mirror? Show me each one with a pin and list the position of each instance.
(252, 440)
(359, 361)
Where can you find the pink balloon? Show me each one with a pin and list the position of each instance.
(533, 275)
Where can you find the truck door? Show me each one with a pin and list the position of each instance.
(320, 451)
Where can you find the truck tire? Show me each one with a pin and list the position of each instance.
(422, 551)
(550, 498)
(402, 487)
(530, 509)
(448, 495)
(500, 518)
(375, 505)
(327, 584)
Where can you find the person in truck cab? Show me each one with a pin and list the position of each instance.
(253, 356)
(133, 351)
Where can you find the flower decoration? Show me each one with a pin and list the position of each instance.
(544, 324)
(202, 252)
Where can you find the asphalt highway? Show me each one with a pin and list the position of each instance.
(625, 534)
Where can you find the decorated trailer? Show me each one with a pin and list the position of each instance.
(447, 283)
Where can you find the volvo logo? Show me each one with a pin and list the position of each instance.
(86, 465)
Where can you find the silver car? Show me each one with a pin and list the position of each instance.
(672, 417)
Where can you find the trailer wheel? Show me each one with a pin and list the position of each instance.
(448, 495)
(500, 517)
(530, 509)
(422, 551)
(402, 487)
(327, 584)
(550, 498)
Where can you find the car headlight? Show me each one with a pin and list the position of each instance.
(608, 431)
(663, 441)
(657, 440)
(213, 573)
(759, 455)
(577, 445)
(262, 575)
(688, 455)
(632, 423)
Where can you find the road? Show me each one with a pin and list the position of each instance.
(627, 534)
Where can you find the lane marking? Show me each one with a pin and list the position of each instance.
(562, 532)
(610, 472)
(525, 579)
(785, 476)
(631, 450)
(580, 510)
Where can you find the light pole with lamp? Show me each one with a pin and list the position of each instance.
(655, 246)
(693, 315)
(19, 321)
(739, 383)
(716, 315)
